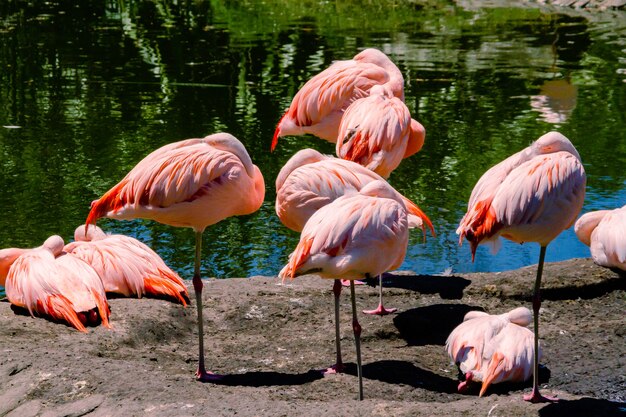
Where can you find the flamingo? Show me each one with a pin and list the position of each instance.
(311, 180)
(493, 348)
(126, 265)
(532, 196)
(360, 234)
(318, 106)
(604, 231)
(192, 183)
(48, 282)
(377, 132)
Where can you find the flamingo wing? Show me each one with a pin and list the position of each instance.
(374, 132)
(608, 240)
(345, 238)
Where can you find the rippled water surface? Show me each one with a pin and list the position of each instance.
(89, 88)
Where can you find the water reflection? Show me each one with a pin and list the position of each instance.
(95, 86)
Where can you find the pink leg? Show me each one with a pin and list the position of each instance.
(338, 367)
(535, 396)
(380, 310)
(201, 374)
(356, 327)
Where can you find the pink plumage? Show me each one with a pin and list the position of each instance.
(317, 107)
(126, 266)
(604, 231)
(493, 348)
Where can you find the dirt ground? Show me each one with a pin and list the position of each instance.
(270, 341)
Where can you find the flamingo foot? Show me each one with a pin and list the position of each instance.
(535, 397)
(204, 376)
(337, 368)
(380, 311)
(464, 385)
(346, 282)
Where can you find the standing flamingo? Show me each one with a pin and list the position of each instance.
(604, 231)
(192, 183)
(532, 196)
(358, 235)
(126, 265)
(493, 348)
(48, 282)
(317, 107)
(377, 132)
(310, 180)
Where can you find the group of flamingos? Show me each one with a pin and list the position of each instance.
(353, 224)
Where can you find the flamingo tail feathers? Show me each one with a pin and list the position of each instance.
(277, 133)
(298, 258)
(110, 201)
(60, 308)
(157, 285)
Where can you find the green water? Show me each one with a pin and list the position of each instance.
(89, 88)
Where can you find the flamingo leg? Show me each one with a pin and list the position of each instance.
(357, 340)
(535, 396)
(380, 310)
(338, 366)
(201, 373)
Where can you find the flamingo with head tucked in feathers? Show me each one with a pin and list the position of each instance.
(345, 239)
(493, 348)
(318, 106)
(532, 196)
(604, 231)
(310, 181)
(378, 132)
(126, 265)
(192, 183)
(49, 282)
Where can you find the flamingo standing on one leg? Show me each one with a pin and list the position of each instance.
(604, 231)
(192, 183)
(126, 265)
(357, 235)
(377, 132)
(48, 282)
(310, 180)
(318, 106)
(532, 196)
(493, 348)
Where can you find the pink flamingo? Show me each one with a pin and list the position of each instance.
(493, 348)
(126, 265)
(377, 132)
(532, 196)
(310, 180)
(48, 282)
(604, 231)
(192, 183)
(317, 107)
(345, 239)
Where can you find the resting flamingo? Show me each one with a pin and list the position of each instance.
(47, 282)
(192, 183)
(317, 107)
(604, 231)
(377, 132)
(311, 180)
(345, 239)
(126, 266)
(532, 196)
(493, 348)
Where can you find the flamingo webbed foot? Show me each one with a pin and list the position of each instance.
(337, 368)
(536, 397)
(346, 282)
(380, 311)
(204, 376)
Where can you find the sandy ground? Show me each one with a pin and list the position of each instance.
(270, 340)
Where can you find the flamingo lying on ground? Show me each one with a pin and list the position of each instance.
(493, 348)
(47, 282)
(317, 107)
(604, 231)
(345, 239)
(377, 132)
(532, 196)
(310, 180)
(192, 183)
(126, 265)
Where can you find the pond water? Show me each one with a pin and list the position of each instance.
(88, 88)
